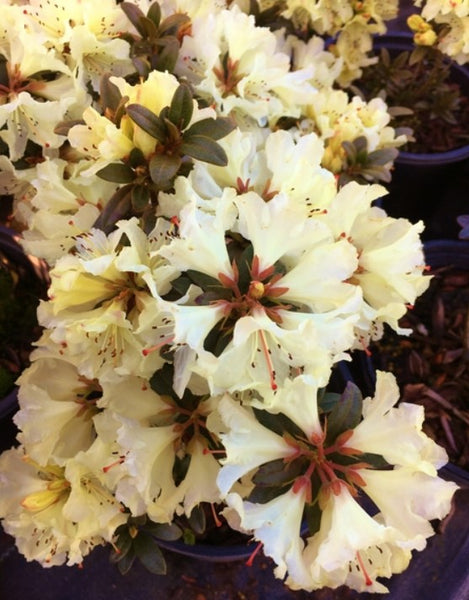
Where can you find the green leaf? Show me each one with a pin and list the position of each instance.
(202, 279)
(262, 494)
(136, 158)
(127, 561)
(148, 121)
(142, 66)
(197, 519)
(64, 127)
(163, 169)
(134, 14)
(277, 472)
(205, 149)
(110, 95)
(154, 13)
(278, 423)
(180, 468)
(117, 173)
(346, 414)
(161, 381)
(149, 553)
(211, 128)
(182, 107)
(140, 198)
(313, 517)
(172, 24)
(117, 208)
(166, 58)
(123, 545)
(147, 28)
(327, 402)
(164, 531)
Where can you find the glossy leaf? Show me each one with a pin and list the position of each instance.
(166, 58)
(163, 168)
(203, 148)
(140, 197)
(134, 14)
(149, 553)
(211, 128)
(148, 121)
(154, 13)
(182, 107)
(197, 519)
(278, 472)
(164, 531)
(109, 93)
(127, 561)
(313, 517)
(346, 414)
(161, 381)
(117, 173)
(117, 208)
(262, 495)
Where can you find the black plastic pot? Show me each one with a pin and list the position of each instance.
(428, 186)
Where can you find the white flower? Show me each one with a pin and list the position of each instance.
(277, 525)
(261, 316)
(390, 256)
(56, 515)
(55, 416)
(64, 206)
(236, 64)
(247, 443)
(396, 432)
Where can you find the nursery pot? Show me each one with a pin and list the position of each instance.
(421, 182)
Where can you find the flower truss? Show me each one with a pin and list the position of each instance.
(207, 201)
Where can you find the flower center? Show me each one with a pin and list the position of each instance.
(57, 488)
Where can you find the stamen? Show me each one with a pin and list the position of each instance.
(368, 580)
(217, 521)
(119, 461)
(165, 342)
(250, 560)
(270, 366)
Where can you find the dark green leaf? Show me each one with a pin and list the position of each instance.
(203, 148)
(123, 545)
(147, 121)
(211, 128)
(117, 208)
(346, 414)
(202, 279)
(147, 28)
(180, 285)
(149, 553)
(134, 14)
(172, 24)
(127, 561)
(161, 381)
(244, 262)
(142, 66)
(327, 402)
(277, 472)
(110, 95)
(197, 519)
(163, 169)
(164, 531)
(136, 158)
(262, 495)
(180, 468)
(313, 517)
(64, 127)
(278, 423)
(154, 13)
(117, 173)
(140, 198)
(166, 58)
(182, 107)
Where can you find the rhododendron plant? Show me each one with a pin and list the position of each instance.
(214, 266)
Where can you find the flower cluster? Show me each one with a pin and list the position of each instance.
(183, 171)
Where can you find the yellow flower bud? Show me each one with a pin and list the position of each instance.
(427, 38)
(416, 23)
